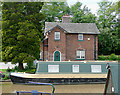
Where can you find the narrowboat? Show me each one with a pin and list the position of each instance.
(73, 72)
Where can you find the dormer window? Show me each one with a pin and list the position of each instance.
(80, 37)
(57, 35)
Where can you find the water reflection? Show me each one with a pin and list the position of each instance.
(8, 87)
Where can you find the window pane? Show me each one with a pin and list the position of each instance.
(80, 37)
(78, 57)
(82, 54)
(78, 54)
(57, 35)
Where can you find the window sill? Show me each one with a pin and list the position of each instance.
(80, 40)
(56, 40)
(80, 59)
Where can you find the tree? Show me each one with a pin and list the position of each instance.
(0, 34)
(58, 9)
(21, 31)
(55, 9)
(118, 18)
(108, 26)
(81, 15)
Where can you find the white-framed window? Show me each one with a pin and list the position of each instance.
(53, 68)
(57, 35)
(80, 36)
(80, 54)
(75, 68)
(96, 68)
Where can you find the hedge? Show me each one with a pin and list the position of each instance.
(111, 57)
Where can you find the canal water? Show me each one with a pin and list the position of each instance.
(8, 87)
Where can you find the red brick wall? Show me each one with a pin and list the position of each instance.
(73, 44)
(56, 45)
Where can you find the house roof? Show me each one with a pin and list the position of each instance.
(85, 28)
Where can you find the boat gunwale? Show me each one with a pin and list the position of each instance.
(24, 75)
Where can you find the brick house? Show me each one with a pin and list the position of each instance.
(69, 41)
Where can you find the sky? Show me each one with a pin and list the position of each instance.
(91, 4)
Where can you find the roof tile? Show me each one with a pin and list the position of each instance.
(85, 28)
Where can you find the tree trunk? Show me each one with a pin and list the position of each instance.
(21, 66)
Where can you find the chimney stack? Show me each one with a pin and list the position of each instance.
(66, 19)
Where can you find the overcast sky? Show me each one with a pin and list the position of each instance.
(91, 4)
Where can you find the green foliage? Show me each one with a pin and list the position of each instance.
(111, 57)
(21, 31)
(102, 57)
(27, 70)
(55, 9)
(30, 71)
(3, 70)
(0, 43)
(9, 70)
(107, 24)
(119, 58)
(14, 70)
(58, 9)
(82, 15)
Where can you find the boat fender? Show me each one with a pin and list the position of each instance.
(3, 76)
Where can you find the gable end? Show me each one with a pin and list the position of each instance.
(55, 27)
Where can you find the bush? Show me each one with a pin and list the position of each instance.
(109, 57)
(29, 65)
(119, 58)
(27, 70)
(12, 70)
(103, 57)
(30, 71)
(113, 57)
(9, 70)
